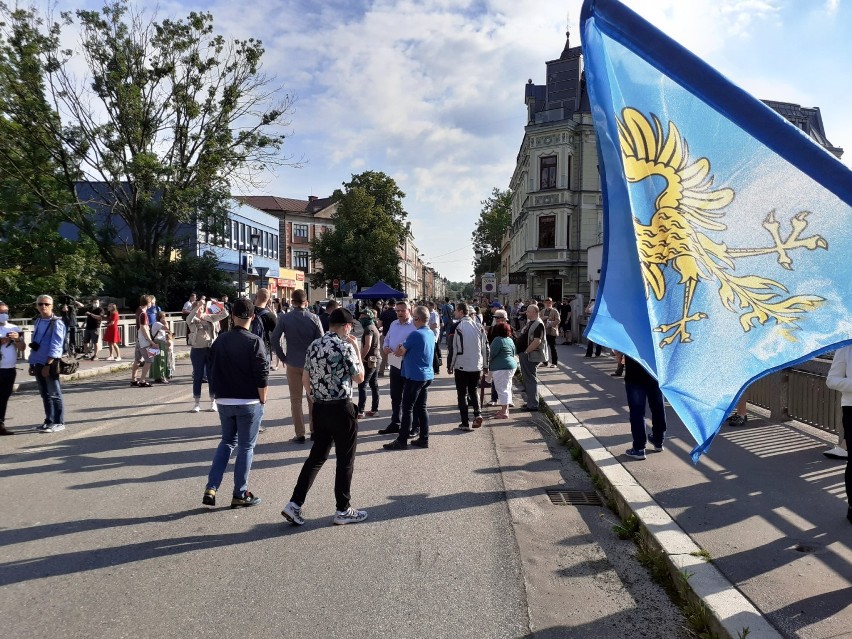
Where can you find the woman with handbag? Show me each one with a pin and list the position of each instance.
(160, 371)
(45, 352)
(370, 352)
(502, 365)
(203, 325)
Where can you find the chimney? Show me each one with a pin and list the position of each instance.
(312, 198)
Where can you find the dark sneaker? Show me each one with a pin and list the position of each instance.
(298, 439)
(658, 448)
(246, 500)
(349, 516)
(635, 454)
(396, 445)
(464, 427)
(293, 513)
(737, 420)
(414, 434)
(372, 413)
(209, 498)
(389, 430)
(419, 443)
(5, 431)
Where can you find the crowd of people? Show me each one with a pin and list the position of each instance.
(233, 346)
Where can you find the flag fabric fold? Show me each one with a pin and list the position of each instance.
(727, 231)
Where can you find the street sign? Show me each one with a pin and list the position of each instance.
(353, 287)
(336, 284)
(489, 283)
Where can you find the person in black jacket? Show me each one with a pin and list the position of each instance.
(238, 381)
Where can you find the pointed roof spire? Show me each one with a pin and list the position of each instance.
(567, 36)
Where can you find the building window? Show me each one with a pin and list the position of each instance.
(242, 236)
(548, 173)
(568, 233)
(300, 260)
(300, 234)
(547, 231)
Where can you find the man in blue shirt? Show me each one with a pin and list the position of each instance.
(417, 352)
(45, 351)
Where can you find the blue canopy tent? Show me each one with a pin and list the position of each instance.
(379, 291)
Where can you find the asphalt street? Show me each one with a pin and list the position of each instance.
(104, 535)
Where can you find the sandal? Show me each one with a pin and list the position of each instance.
(144, 384)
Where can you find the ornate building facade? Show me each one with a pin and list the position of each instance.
(557, 210)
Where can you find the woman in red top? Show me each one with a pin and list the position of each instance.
(111, 337)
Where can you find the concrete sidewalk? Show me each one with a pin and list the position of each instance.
(96, 368)
(764, 502)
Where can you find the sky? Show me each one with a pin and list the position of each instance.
(431, 92)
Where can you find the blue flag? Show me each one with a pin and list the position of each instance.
(728, 232)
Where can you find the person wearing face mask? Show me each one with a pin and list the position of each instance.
(11, 347)
(203, 322)
(92, 331)
(370, 350)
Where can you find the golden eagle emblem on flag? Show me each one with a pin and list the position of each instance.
(676, 236)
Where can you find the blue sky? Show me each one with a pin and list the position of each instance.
(432, 91)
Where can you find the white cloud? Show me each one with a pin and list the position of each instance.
(431, 91)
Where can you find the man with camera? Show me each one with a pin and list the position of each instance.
(45, 351)
(11, 346)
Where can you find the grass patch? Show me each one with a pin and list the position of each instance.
(628, 528)
(703, 554)
(698, 618)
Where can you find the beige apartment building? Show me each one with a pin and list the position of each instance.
(557, 210)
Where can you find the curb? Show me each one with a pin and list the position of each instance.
(730, 612)
(90, 372)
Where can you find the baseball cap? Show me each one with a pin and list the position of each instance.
(340, 316)
(242, 308)
(496, 304)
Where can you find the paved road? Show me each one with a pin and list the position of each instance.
(103, 534)
(765, 502)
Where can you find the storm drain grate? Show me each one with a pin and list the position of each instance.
(574, 497)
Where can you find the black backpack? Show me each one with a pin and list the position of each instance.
(258, 327)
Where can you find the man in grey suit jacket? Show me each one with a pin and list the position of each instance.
(299, 328)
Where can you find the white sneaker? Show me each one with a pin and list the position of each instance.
(196, 408)
(110, 359)
(836, 453)
(54, 428)
(213, 408)
(117, 359)
(349, 516)
(293, 514)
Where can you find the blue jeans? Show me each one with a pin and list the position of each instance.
(637, 396)
(370, 378)
(240, 425)
(414, 395)
(200, 358)
(51, 396)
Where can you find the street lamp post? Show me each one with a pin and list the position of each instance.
(254, 240)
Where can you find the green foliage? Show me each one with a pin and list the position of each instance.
(702, 553)
(173, 280)
(170, 117)
(460, 290)
(628, 528)
(369, 228)
(494, 220)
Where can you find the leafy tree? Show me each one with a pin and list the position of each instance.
(34, 259)
(370, 225)
(494, 220)
(460, 290)
(169, 119)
